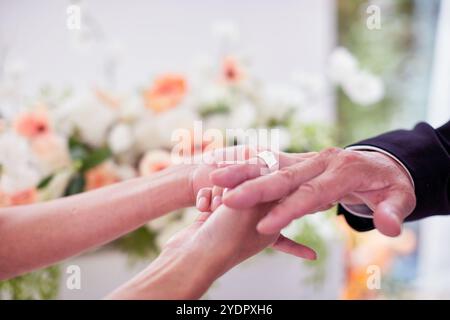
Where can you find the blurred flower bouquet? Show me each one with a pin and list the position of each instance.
(58, 144)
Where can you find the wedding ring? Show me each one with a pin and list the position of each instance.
(269, 159)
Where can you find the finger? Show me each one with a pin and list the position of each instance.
(390, 213)
(233, 175)
(203, 199)
(216, 197)
(274, 186)
(293, 248)
(233, 155)
(310, 197)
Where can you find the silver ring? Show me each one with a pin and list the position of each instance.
(269, 159)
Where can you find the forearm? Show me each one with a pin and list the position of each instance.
(173, 275)
(38, 235)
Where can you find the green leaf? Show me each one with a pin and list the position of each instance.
(76, 185)
(139, 244)
(44, 182)
(78, 150)
(213, 109)
(95, 158)
(40, 284)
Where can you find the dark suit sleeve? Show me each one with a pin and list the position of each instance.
(425, 152)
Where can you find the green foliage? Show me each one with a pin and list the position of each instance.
(308, 236)
(44, 182)
(385, 52)
(87, 157)
(310, 137)
(41, 284)
(139, 244)
(220, 107)
(76, 185)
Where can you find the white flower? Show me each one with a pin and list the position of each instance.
(279, 99)
(168, 122)
(93, 121)
(342, 64)
(125, 172)
(19, 167)
(242, 116)
(146, 133)
(120, 138)
(313, 85)
(52, 152)
(132, 110)
(211, 95)
(364, 88)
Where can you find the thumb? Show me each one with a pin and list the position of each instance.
(390, 213)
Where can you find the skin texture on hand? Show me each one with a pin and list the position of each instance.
(195, 257)
(320, 181)
(209, 199)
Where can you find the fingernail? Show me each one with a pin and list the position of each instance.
(312, 256)
(201, 203)
(217, 201)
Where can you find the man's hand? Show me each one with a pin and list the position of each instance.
(320, 181)
(199, 172)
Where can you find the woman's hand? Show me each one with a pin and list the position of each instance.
(195, 257)
(209, 199)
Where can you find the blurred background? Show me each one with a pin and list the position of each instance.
(90, 92)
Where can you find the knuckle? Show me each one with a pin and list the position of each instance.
(331, 151)
(349, 157)
(286, 173)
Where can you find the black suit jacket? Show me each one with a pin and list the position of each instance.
(426, 154)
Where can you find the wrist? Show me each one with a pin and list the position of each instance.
(175, 274)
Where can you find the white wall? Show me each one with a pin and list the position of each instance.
(165, 35)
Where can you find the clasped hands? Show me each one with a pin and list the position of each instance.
(312, 182)
(249, 216)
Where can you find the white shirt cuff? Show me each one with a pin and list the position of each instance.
(362, 210)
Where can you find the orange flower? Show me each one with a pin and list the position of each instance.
(100, 176)
(27, 196)
(154, 161)
(231, 70)
(166, 93)
(33, 123)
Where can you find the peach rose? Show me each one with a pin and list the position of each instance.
(166, 93)
(52, 151)
(27, 196)
(100, 176)
(231, 70)
(154, 161)
(32, 124)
